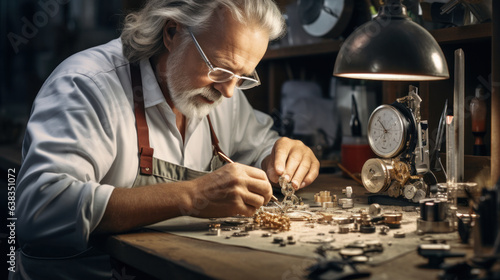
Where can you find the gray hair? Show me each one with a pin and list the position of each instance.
(142, 34)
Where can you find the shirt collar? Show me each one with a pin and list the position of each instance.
(152, 92)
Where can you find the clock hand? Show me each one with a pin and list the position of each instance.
(385, 130)
(330, 11)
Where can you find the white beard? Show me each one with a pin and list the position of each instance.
(185, 99)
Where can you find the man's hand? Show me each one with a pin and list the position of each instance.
(234, 189)
(293, 159)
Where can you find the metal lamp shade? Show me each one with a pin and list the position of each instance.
(391, 47)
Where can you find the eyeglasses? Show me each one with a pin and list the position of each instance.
(221, 75)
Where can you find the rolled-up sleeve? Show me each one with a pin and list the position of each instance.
(68, 148)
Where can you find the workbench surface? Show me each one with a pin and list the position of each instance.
(151, 253)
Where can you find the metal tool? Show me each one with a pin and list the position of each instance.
(436, 163)
(458, 119)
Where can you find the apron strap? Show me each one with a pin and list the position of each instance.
(145, 150)
(215, 142)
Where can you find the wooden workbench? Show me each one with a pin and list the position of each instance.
(149, 254)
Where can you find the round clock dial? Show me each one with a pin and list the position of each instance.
(387, 131)
(325, 18)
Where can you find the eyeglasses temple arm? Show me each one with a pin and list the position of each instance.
(205, 58)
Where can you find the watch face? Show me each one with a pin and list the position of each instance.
(387, 130)
(375, 175)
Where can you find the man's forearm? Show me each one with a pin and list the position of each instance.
(130, 208)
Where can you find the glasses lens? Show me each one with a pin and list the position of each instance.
(220, 75)
(249, 82)
(246, 84)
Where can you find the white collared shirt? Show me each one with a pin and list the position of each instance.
(81, 143)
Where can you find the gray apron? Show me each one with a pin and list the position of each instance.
(152, 170)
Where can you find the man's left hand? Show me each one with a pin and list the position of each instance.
(292, 159)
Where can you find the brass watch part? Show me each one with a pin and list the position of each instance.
(376, 175)
(401, 171)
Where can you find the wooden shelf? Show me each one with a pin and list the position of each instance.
(463, 33)
(329, 46)
(325, 47)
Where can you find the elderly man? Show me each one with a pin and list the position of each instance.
(135, 131)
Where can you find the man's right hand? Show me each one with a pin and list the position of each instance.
(234, 189)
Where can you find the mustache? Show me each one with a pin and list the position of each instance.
(210, 93)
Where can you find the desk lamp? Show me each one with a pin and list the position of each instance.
(391, 47)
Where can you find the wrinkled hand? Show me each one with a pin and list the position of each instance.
(234, 189)
(293, 159)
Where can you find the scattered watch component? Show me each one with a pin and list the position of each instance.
(325, 217)
(384, 230)
(278, 222)
(250, 227)
(278, 239)
(344, 229)
(374, 209)
(373, 246)
(393, 220)
(267, 234)
(366, 223)
(346, 203)
(359, 259)
(240, 234)
(357, 244)
(236, 221)
(347, 191)
(328, 205)
(366, 229)
(322, 196)
(399, 234)
(214, 231)
(351, 252)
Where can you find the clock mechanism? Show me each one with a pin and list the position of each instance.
(398, 135)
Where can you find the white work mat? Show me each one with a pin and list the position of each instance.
(308, 239)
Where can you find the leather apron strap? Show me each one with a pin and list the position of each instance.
(215, 143)
(145, 150)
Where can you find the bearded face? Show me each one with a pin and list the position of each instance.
(191, 102)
